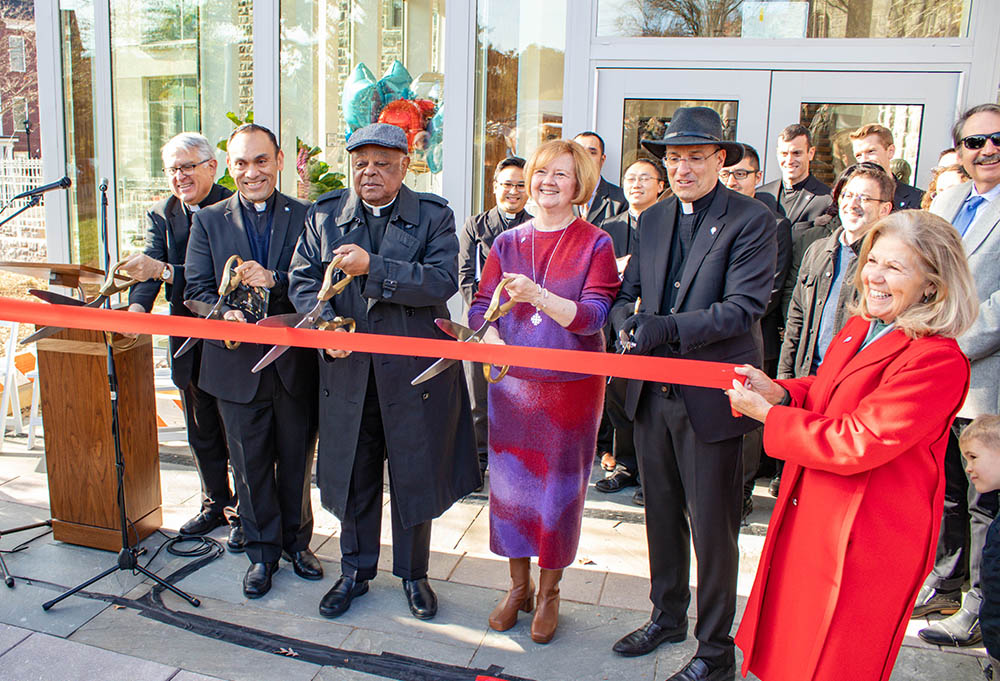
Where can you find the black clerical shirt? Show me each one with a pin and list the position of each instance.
(787, 196)
(685, 230)
(258, 226)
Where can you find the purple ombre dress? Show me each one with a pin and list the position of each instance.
(543, 424)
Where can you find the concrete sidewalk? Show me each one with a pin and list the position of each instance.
(133, 638)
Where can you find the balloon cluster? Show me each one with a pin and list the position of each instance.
(415, 105)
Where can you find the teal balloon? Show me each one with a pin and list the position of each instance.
(395, 83)
(361, 99)
(435, 153)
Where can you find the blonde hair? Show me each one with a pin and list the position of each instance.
(584, 169)
(884, 134)
(984, 429)
(950, 310)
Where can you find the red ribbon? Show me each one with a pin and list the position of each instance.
(663, 370)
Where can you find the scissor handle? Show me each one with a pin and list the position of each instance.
(230, 278)
(231, 345)
(120, 343)
(329, 289)
(488, 373)
(495, 311)
(337, 323)
(110, 286)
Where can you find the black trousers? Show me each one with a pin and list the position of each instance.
(753, 442)
(272, 441)
(967, 517)
(361, 527)
(207, 438)
(624, 435)
(693, 491)
(480, 417)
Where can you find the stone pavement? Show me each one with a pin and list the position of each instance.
(122, 632)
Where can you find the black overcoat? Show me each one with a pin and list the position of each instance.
(430, 441)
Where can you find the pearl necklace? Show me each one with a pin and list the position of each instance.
(536, 318)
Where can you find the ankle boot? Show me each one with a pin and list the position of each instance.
(520, 597)
(543, 626)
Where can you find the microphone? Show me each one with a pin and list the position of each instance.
(58, 184)
(103, 186)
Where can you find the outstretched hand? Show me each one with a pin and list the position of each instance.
(756, 394)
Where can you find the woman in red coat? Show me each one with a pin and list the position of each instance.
(855, 527)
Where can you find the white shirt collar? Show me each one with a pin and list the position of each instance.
(990, 196)
(377, 210)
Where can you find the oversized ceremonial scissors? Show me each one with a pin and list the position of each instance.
(311, 319)
(466, 335)
(108, 289)
(230, 281)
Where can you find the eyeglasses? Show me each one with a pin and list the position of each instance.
(847, 197)
(979, 141)
(694, 161)
(738, 174)
(641, 179)
(185, 169)
(512, 186)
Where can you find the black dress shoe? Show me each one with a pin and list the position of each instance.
(338, 599)
(257, 580)
(647, 638)
(423, 602)
(616, 482)
(961, 630)
(638, 499)
(699, 670)
(305, 564)
(774, 486)
(237, 541)
(930, 600)
(203, 523)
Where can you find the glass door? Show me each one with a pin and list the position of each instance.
(637, 104)
(919, 109)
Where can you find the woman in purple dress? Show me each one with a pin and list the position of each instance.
(543, 424)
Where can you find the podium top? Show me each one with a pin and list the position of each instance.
(57, 274)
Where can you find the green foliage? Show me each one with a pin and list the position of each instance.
(227, 180)
(313, 173)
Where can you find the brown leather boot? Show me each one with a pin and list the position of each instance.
(543, 627)
(520, 597)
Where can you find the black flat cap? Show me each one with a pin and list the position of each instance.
(379, 134)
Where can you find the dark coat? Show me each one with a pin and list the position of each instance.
(217, 232)
(428, 428)
(773, 322)
(609, 201)
(476, 238)
(725, 283)
(906, 196)
(166, 240)
(621, 231)
(812, 202)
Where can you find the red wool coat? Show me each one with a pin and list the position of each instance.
(854, 530)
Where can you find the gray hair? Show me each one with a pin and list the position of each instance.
(189, 141)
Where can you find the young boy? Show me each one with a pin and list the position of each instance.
(980, 444)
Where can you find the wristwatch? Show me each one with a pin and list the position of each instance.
(167, 273)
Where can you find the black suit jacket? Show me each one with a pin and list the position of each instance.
(167, 231)
(773, 321)
(906, 196)
(621, 231)
(725, 283)
(609, 201)
(218, 232)
(474, 244)
(812, 202)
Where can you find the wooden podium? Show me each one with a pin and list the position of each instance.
(79, 443)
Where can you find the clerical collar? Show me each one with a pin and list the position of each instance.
(797, 186)
(699, 204)
(507, 216)
(257, 206)
(378, 210)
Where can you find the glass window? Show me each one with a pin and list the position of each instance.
(647, 119)
(15, 48)
(347, 63)
(832, 124)
(768, 19)
(23, 237)
(520, 48)
(178, 66)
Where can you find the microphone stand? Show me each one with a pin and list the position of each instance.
(32, 202)
(128, 556)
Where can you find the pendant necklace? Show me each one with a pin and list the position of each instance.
(536, 318)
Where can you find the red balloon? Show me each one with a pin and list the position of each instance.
(405, 114)
(427, 107)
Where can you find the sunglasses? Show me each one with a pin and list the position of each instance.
(979, 141)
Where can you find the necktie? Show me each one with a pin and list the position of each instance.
(967, 213)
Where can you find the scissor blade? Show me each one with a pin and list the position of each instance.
(272, 354)
(201, 308)
(433, 370)
(454, 329)
(188, 344)
(56, 298)
(282, 320)
(43, 332)
(302, 321)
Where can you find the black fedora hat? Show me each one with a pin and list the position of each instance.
(693, 125)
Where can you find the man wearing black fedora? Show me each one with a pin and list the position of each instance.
(703, 269)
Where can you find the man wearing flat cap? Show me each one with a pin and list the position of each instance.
(703, 268)
(402, 250)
